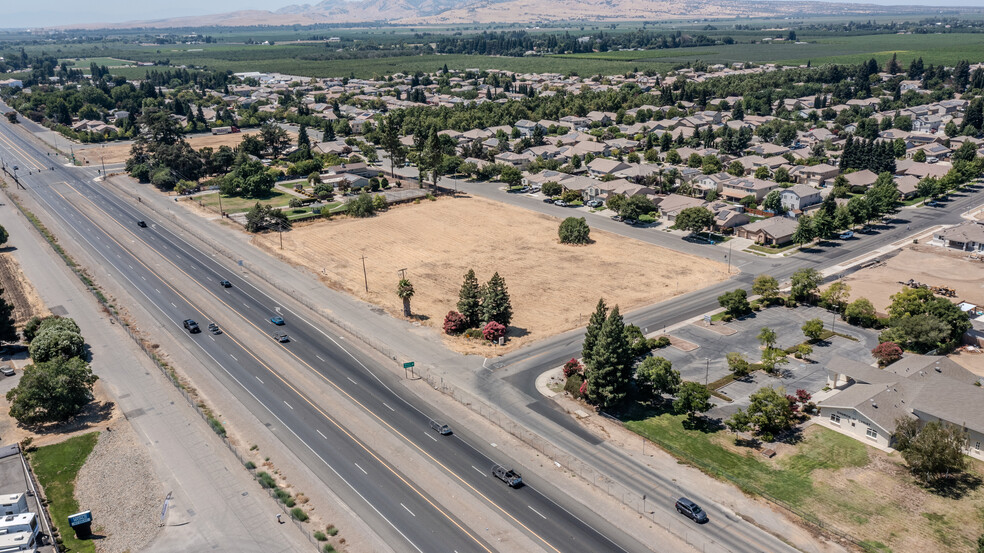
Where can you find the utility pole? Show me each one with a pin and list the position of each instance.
(364, 274)
(707, 369)
(280, 228)
(730, 244)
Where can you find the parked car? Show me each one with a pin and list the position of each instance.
(560, 203)
(629, 221)
(846, 235)
(524, 189)
(225, 284)
(691, 510)
(595, 203)
(866, 229)
(548, 200)
(142, 224)
(281, 337)
(933, 203)
(440, 428)
(191, 326)
(618, 218)
(7, 370)
(507, 475)
(279, 321)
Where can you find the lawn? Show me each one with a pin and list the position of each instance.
(767, 249)
(301, 213)
(236, 204)
(56, 467)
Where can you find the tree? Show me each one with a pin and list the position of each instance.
(773, 202)
(454, 323)
(936, 450)
(694, 219)
(887, 353)
(767, 287)
(823, 225)
(361, 206)
(495, 301)
(51, 391)
(432, 156)
(261, 217)
(56, 344)
(773, 358)
(275, 139)
(735, 303)
(511, 176)
(860, 312)
(767, 337)
(595, 323)
(835, 296)
(12, 117)
(470, 300)
(804, 284)
(657, 377)
(813, 329)
(636, 206)
(736, 169)
(404, 289)
(3, 235)
(769, 413)
(804, 230)
(397, 152)
(574, 230)
(921, 321)
(610, 372)
(804, 350)
(551, 189)
(692, 398)
(8, 332)
(738, 365)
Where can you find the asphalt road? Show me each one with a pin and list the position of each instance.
(400, 507)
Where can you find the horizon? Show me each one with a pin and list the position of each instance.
(61, 13)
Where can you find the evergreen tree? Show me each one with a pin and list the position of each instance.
(610, 372)
(470, 300)
(594, 328)
(329, 131)
(495, 301)
(8, 332)
(303, 141)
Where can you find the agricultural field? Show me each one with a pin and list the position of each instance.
(85, 63)
(553, 287)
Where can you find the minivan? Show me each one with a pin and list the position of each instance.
(691, 510)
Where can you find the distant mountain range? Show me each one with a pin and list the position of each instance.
(422, 12)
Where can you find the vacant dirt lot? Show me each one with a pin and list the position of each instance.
(927, 264)
(553, 287)
(18, 291)
(118, 152)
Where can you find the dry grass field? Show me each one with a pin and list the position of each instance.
(553, 287)
(17, 291)
(118, 152)
(927, 264)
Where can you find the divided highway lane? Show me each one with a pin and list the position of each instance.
(556, 527)
(403, 512)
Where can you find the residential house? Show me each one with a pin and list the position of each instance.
(729, 218)
(600, 167)
(799, 196)
(516, 160)
(815, 175)
(925, 388)
(715, 182)
(967, 236)
(673, 204)
(737, 188)
(907, 185)
(861, 178)
(361, 169)
(774, 231)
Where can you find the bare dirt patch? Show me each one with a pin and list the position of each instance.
(17, 290)
(118, 152)
(553, 287)
(930, 265)
(101, 411)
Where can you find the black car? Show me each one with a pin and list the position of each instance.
(141, 224)
(191, 326)
(225, 284)
(691, 510)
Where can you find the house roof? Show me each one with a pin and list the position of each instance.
(861, 178)
(968, 231)
(775, 227)
(800, 190)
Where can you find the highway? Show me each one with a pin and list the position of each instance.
(108, 227)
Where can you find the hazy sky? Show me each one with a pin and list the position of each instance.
(46, 13)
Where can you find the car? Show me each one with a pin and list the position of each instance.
(225, 284)
(214, 328)
(279, 321)
(866, 229)
(691, 510)
(932, 203)
(440, 428)
(594, 203)
(281, 337)
(7, 370)
(560, 203)
(618, 218)
(142, 224)
(846, 235)
(191, 326)
(507, 475)
(629, 221)
(548, 200)
(524, 189)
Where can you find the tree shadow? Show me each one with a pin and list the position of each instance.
(419, 317)
(8, 249)
(750, 442)
(954, 486)
(516, 332)
(93, 414)
(703, 424)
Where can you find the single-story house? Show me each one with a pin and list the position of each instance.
(772, 231)
(675, 203)
(922, 387)
(861, 178)
(967, 236)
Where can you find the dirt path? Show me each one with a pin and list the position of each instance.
(553, 287)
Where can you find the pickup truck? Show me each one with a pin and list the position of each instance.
(191, 326)
(509, 476)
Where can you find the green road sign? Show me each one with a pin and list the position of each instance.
(408, 364)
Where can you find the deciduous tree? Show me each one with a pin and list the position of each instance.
(574, 230)
(766, 286)
(936, 451)
(657, 377)
(735, 302)
(51, 391)
(887, 353)
(813, 329)
(692, 398)
(738, 364)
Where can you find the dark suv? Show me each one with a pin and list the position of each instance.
(191, 326)
(691, 510)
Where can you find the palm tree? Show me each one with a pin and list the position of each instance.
(405, 290)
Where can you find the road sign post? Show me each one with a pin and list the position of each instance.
(408, 369)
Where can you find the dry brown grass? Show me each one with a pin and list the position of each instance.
(553, 287)
(117, 153)
(17, 291)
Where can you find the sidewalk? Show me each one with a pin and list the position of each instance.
(216, 505)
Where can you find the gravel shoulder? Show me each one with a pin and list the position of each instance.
(118, 484)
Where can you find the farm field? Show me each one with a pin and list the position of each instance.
(118, 152)
(930, 265)
(553, 287)
(84, 63)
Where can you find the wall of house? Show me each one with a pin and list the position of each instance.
(856, 425)
(975, 440)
